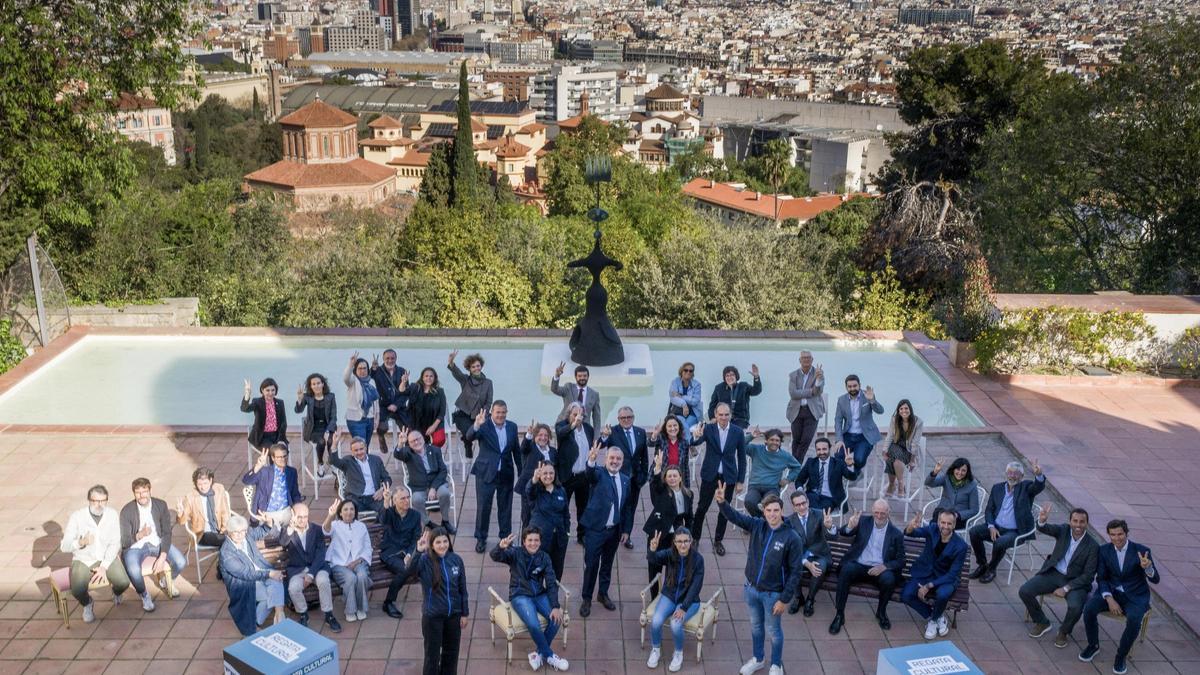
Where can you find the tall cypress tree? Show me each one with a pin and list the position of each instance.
(464, 169)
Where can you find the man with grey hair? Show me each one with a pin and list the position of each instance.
(255, 587)
(575, 439)
(306, 565)
(636, 464)
(1009, 514)
(806, 404)
(93, 538)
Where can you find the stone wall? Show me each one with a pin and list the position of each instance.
(168, 313)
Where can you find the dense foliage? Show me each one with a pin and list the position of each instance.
(1059, 340)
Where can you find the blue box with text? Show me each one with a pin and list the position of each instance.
(284, 649)
(932, 658)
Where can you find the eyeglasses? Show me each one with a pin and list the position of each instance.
(689, 370)
(624, 417)
(98, 501)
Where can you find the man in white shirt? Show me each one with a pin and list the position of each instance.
(1067, 573)
(93, 537)
(146, 526)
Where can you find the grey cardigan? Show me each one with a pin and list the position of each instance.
(307, 406)
(964, 500)
(476, 395)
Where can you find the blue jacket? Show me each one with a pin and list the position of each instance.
(390, 393)
(773, 557)
(1131, 577)
(529, 575)
(1023, 494)
(263, 480)
(240, 576)
(636, 464)
(731, 458)
(310, 555)
(602, 500)
(491, 463)
(451, 599)
(400, 534)
(672, 586)
(550, 512)
(944, 569)
(893, 543)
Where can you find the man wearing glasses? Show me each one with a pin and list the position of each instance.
(93, 537)
(632, 442)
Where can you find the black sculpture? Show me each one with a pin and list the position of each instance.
(595, 342)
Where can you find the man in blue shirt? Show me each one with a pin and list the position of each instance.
(1009, 514)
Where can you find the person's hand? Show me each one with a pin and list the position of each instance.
(876, 570)
(374, 361)
(783, 482)
(607, 431)
(1044, 512)
(755, 431)
(537, 474)
(353, 358)
(404, 381)
(654, 541)
(479, 418)
(265, 519)
(507, 541)
(819, 372)
(1060, 592)
(1037, 468)
(423, 542)
(403, 436)
(677, 615)
(698, 430)
(1114, 606)
(277, 575)
(624, 537)
(778, 608)
(308, 579)
(556, 616)
(142, 533)
(993, 532)
(246, 389)
(915, 522)
(813, 568)
(837, 447)
(379, 493)
(262, 460)
(922, 590)
(654, 433)
(532, 425)
(870, 393)
(98, 576)
(160, 564)
(179, 505)
(594, 452)
(453, 355)
(852, 522)
(333, 509)
(299, 393)
(754, 370)
(462, 622)
(658, 459)
(432, 496)
(737, 488)
(937, 466)
(86, 540)
(559, 370)
(392, 407)
(1144, 559)
(720, 494)
(687, 412)
(828, 519)
(849, 460)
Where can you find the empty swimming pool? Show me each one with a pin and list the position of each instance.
(197, 379)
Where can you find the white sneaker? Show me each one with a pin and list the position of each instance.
(147, 602)
(775, 670)
(655, 655)
(676, 662)
(350, 618)
(752, 666)
(930, 630)
(943, 627)
(362, 615)
(89, 612)
(535, 661)
(162, 582)
(557, 662)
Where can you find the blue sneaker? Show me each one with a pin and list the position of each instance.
(1119, 666)
(1089, 652)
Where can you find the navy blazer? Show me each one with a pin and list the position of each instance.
(311, 555)
(240, 575)
(568, 450)
(530, 457)
(810, 475)
(1131, 577)
(944, 569)
(636, 464)
(390, 392)
(603, 498)
(356, 483)
(491, 462)
(264, 478)
(731, 458)
(1023, 494)
(893, 543)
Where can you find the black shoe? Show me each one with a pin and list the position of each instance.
(836, 626)
(303, 619)
(391, 610)
(579, 539)
(606, 602)
(1119, 666)
(332, 622)
(988, 577)
(450, 529)
(718, 548)
(1089, 652)
(585, 608)
(794, 607)
(979, 571)
(884, 622)
(628, 544)
(471, 451)
(808, 607)
(480, 546)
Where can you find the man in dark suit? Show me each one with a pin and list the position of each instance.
(821, 477)
(365, 476)
(401, 529)
(936, 572)
(575, 440)
(632, 442)
(724, 460)
(535, 449)
(812, 526)
(428, 477)
(1123, 580)
(1067, 573)
(392, 382)
(602, 525)
(577, 392)
(306, 565)
(276, 487)
(495, 471)
(146, 526)
(1009, 514)
(877, 557)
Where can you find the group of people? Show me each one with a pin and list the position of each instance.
(602, 470)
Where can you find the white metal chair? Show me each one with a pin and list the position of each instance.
(917, 475)
(502, 616)
(340, 479)
(1024, 539)
(248, 494)
(974, 520)
(696, 626)
(195, 549)
(309, 449)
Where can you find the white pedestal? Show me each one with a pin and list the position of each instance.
(636, 373)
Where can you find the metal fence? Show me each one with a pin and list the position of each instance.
(33, 298)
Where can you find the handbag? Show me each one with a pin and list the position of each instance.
(438, 438)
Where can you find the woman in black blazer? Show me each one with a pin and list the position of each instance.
(270, 424)
(667, 493)
(319, 407)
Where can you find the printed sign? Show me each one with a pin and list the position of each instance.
(282, 647)
(936, 665)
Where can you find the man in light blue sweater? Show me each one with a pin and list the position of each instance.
(770, 469)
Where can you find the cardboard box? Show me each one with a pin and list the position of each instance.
(931, 658)
(284, 649)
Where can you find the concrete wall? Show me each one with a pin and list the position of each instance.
(170, 312)
(832, 115)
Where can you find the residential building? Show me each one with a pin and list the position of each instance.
(363, 33)
(734, 203)
(558, 94)
(138, 118)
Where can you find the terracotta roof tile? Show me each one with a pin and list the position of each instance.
(319, 114)
(762, 205)
(385, 122)
(665, 91)
(291, 174)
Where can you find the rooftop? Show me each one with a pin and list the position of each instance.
(739, 198)
(319, 114)
(288, 174)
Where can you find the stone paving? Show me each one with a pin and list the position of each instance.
(188, 634)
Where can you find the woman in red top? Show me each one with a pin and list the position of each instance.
(668, 436)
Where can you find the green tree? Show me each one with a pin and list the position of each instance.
(884, 305)
(435, 185)
(464, 181)
(776, 162)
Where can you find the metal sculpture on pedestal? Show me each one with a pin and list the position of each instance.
(595, 342)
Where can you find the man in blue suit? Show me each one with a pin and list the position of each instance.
(1009, 514)
(821, 477)
(276, 487)
(936, 572)
(306, 565)
(875, 557)
(603, 524)
(724, 462)
(1121, 588)
(632, 442)
(854, 420)
(495, 471)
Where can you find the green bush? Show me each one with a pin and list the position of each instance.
(1187, 352)
(1063, 339)
(884, 305)
(11, 349)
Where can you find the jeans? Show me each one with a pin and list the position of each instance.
(860, 447)
(1134, 611)
(1048, 582)
(528, 608)
(361, 429)
(268, 594)
(133, 564)
(355, 585)
(664, 609)
(324, 592)
(419, 498)
(940, 596)
(980, 534)
(761, 603)
(81, 574)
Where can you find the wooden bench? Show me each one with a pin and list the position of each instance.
(912, 550)
(380, 575)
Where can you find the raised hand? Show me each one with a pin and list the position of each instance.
(532, 425)
(720, 495)
(1037, 469)
(819, 372)
(403, 439)
(1144, 559)
(852, 522)
(450, 359)
(423, 542)
(594, 452)
(353, 358)
(607, 431)
(1044, 512)
(507, 541)
(755, 431)
(559, 370)
(479, 418)
(246, 388)
(870, 392)
(915, 522)
(937, 466)
(333, 509)
(656, 431)
(849, 460)
(658, 459)
(654, 541)
(754, 370)
(404, 380)
(179, 505)
(264, 518)
(828, 519)
(262, 459)
(698, 430)
(374, 361)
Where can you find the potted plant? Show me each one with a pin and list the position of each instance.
(968, 312)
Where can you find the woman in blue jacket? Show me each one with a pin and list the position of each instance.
(445, 607)
(683, 576)
(549, 514)
(533, 592)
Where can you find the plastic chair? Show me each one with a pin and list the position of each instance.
(195, 548)
(963, 532)
(1024, 539)
(309, 449)
(696, 626)
(502, 616)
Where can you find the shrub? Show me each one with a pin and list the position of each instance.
(967, 312)
(1062, 339)
(884, 305)
(1187, 352)
(11, 349)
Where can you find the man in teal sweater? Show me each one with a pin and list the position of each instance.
(770, 469)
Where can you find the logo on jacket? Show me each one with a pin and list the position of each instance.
(454, 570)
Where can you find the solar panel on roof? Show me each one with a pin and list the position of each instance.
(481, 107)
(495, 131)
(441, 130)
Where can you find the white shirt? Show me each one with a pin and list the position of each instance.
(1120, 566)
(1066, 559)
(368, 479)
(631, 438)
(348, 543)
(872, 555)
(581, 442)
(501, 436)
(614, 511)
(722, 434)
(106, 537)
(146, 518)
(424, 459)
(804, 383)
(679, 504)
(855, 410)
